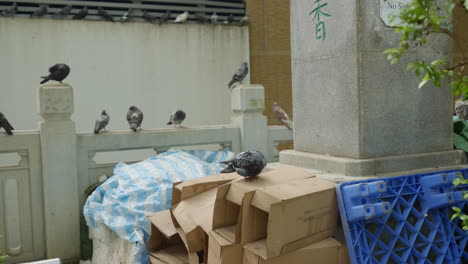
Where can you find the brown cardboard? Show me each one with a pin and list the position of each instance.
(163, 233)
(294, 215)
(171, 255)
(232, 199)
(222, 251)
(328, 251)
(192, 256)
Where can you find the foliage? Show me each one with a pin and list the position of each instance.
(2, 257)
(458, 212)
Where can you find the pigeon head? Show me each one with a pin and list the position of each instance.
(133, 108)
(245, 65)
(1, 115)
(104, 112)
(275, 104)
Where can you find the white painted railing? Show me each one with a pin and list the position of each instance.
(42, 195)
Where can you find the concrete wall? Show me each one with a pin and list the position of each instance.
(113, 65)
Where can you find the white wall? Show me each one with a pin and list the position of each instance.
(113, 65)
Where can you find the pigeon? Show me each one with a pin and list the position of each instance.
(81, 14)
(239, 75)
(281, 115)
(214, 18)
(461, 108)
(64, 11)
(247, 164)
(201, 19)
(126, 17)
(10, 11)
(177, 118)
(101, 122)
(58, 72)
(244, 21)
(164, 18)
(182, 18)
(5, 124)
(134, 118)
(105, 15)
(229, 19)
(148, 17)
(39, 12)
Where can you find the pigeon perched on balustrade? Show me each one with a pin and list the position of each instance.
(40, 12)
(239, 75)
(177, 118)
(5, 124)
(103, 13)
(461, 109)
(64, 11)
(127, 16)
(244, 21)
(58, 72)
(101, 122)
(134, 118)
(148, 17)
(10, 11)
(201, 18)
(247, 164)
(81, 14)
(214, 18)
(229, 19)
(281, 115)
(182, 18)
(164, 18)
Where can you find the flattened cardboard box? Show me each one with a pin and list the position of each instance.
(233, 198)
(171, 255)
(327, 251)
(222, 251)
(290, 216)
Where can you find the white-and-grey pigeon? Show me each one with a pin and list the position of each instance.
(461, 109)
(40, 12)
(239, 75)
(5, 124)
(64, 11)
(182, 18)
(177, 118)
(101, 122)
(58, 72)
(127, 16)
(10, 11)
(81, 14)
(281, 115)
(244, 21)
(247, 164)
(134, 118)
(214, 18)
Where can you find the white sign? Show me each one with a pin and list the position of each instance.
(389, 8)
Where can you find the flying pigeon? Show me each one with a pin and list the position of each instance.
(182, 18)
(201, 19)
(39, 12)
(10, 11)
(229, 19)
(5, 124)
(58, 72)
(105, 15)
(134, 118)
(148, 17)
(247, 164)
(164, 18)
(244, 21)
(81, 14)
(461, 108)
(177, 118)
(64, 11)
(101, 122)
(281, 115)
(126, 17)
(239, 75)
(214, 18)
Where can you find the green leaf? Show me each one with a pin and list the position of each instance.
(456, 209)
(466, 4)
(424, 81)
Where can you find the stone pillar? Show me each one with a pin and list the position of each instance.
(59, 170)
(248, 103)
(355, 114)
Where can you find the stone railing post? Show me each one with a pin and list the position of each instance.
(59, 172)
(248, 103)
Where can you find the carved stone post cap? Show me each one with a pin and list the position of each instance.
(56, 101)
(248, 98)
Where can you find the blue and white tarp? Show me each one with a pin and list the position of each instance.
(136, 190)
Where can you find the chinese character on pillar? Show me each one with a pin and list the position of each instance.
(320, 26)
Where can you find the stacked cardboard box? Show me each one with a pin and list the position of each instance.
(284, 215)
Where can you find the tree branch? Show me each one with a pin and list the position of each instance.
(461, 64)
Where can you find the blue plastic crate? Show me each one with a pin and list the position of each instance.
(404, 220)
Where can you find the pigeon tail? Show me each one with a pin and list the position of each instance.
(134, 127)
(96, 131)
(228, 169)
(288, 123)
(231, 83)
(46, 79)
(169, 123)
(8, 131)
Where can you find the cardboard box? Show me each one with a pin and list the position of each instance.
(171, 255)
(327, 251)
(290, 216)
(222, 251)
(232, 199)
(163, 232)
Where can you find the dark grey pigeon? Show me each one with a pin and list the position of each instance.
(10, 11)
(103, 13)
(214, 18)
(148, 17)
(247, 164)
(164, 18)
(239, 75)
(134, 118)
(177, 118)
(39, 12)
(127, 16)
(5, 124)
(81, 14)
(101, 122)
(201, 19)
(64, 11)
(229, 19)
(58, 72)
